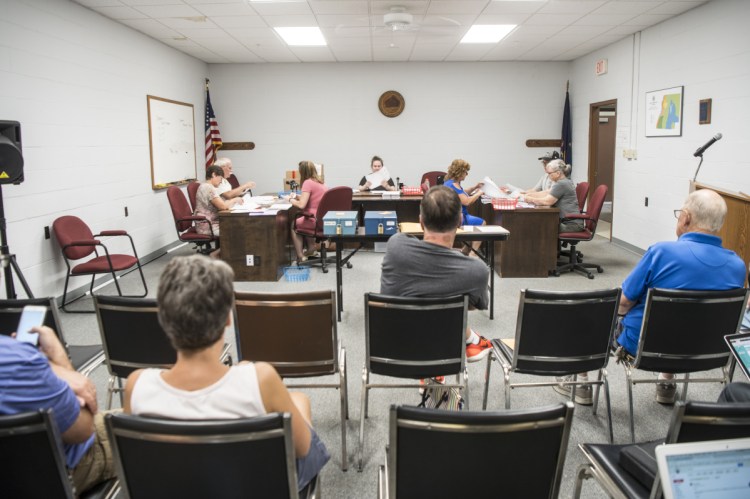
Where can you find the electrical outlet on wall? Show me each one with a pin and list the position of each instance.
(250, 260)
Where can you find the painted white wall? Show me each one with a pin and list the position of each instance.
(706, 50)
(328, 113)
(78, 82)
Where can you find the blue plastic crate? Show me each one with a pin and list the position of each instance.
(297, 274)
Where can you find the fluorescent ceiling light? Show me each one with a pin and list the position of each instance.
(302, 36)
(487, 33)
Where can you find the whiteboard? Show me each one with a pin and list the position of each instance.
(171, 129)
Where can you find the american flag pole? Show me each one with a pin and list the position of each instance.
(213, 136)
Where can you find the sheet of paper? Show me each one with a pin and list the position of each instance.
(376, 178)
(513, 187)
(280, 206)
(492, 229)
(245, 207)
(410, 227)
(491, 189)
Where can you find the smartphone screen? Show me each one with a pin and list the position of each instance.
(32, 315)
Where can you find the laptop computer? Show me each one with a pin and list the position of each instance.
(700, 470)
(739, 345)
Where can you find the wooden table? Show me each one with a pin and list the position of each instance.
(406, 207)
(264, 237)
(532, 251)
(468, 233)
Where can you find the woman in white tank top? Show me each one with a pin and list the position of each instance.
(195, 299)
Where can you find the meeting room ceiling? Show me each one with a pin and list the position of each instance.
(242, 31)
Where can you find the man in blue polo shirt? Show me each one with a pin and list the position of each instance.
(695, 261)
(34, 378)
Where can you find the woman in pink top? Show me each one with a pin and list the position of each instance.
(313, 189)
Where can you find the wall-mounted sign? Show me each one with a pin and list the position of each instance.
(600, 67)
(391, 103)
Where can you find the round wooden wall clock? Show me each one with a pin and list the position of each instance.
(391, 103)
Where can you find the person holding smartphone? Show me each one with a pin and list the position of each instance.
(34, 377)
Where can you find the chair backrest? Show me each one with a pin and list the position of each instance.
(432, 177)
(32, 462)
(296, 332)
(683, 330)
(410, 337)
(595, 207)
(247, 457)
(582, 192)
(520, 452)
(10, 314)
(192, 191)
(698, 421)
(563, 332)
(180, 208)
(232, 179)
(131, 334)
(334, 199)
(68, 229)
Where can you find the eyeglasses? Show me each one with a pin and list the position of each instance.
(677, 213)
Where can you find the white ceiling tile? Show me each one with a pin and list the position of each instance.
(625, 30)
(231, 22)
(186, 23)
(585, 31)
(337, 7)
(675, 7)
(502, 18)
(273, 53)
(648, 19)
(158, 11)
(456, 6)
(579, 7)
(346, 32)
(313, 54)
(291, 21)
(151, 27)
(431, 51)
(241, 8)
(626, 7)
(153, 2)
(517, 7)
(469, 51)
(198, 34)
(332, 21)
(552, 19)
(604, 19)
(99, 3)
(121, 12)
(281, 8)
(415, 7)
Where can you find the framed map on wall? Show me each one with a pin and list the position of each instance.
(664, 112)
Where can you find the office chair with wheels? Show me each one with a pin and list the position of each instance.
(186, 223)
(590, 219)
(77, 241)
(334, 199)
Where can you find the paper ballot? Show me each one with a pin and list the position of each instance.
(376, 178)
(491, 189)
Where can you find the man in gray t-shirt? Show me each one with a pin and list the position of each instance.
(432, 268)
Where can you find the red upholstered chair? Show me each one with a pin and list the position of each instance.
(192, 192)
(233, 181)
(590, 220)
(432, 177)
(582, 192)
(77, 242)
(185, 222)
(334, 199)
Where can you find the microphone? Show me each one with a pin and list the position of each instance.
(708, 144)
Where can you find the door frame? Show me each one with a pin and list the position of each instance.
(593, 149)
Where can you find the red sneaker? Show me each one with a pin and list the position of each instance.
(479, 351)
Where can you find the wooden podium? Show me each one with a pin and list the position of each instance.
(735, 234)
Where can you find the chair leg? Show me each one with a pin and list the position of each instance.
(466, 388)
(683, 396)
(487, 381)
(344, 410)
(630, 403)
(506, 386)
(584, 473)
(609, 409)
(362, 416)
(65, 293)
(110, 391)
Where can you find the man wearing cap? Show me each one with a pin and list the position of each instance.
(545, 183)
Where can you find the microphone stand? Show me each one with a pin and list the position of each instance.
(8, 260)
(698, 169)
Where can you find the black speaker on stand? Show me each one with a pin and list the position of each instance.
(11, 172)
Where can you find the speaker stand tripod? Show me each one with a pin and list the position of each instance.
(8, 260)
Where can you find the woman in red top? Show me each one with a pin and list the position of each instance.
(313, 189)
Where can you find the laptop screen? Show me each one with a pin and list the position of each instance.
(739, 344)
(702, 470)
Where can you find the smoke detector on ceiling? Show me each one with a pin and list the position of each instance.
(398, 19)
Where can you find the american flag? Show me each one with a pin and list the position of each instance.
(213, 136)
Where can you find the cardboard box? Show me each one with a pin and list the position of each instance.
(290, 175)
(381, 222)
(340, 222)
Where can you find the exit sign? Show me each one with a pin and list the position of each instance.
(601, 67)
